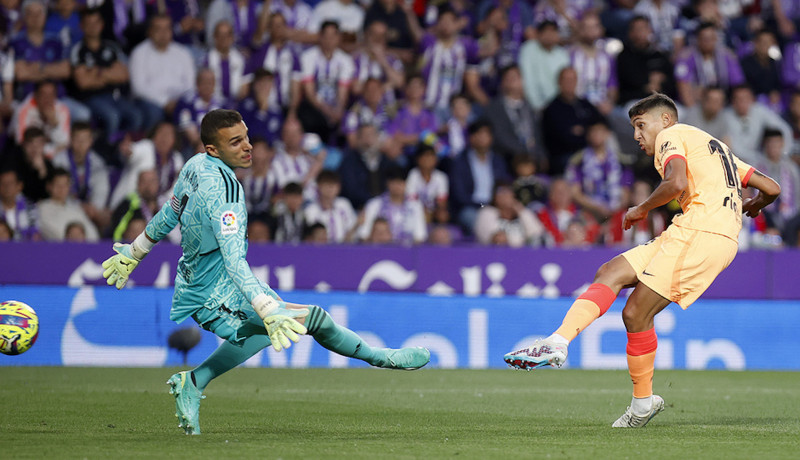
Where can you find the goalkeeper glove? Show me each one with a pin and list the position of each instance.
(119, 266)
(279, 321)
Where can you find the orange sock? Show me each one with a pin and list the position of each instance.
(591, 305)
(641, 361)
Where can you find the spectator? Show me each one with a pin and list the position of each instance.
(473, 176)
(228, 64)
(192, 107)
(159, 153)
(709, 115)
(18, 213)
(241, 14)
(596, 68)
(519, 19)
(139, 204)
(258, 231)
(790, 66)
(565, 121)
(32, 166)
(75, 232)
(327, 76)
(293, 163)
(6, 233)
(440, 235)
(496, 54)
(541, 60)
(135, 228)
(101, 77)
(512, 118)
(315, 234)
(88, 174)
(762, 72)
(643, 230)
(598, 181)
(381, 233)
(6, 83)
(160, 71)
(44, 110)
(279, 57)
(189, 27)
(449, 63)
(371, 109)
(60, 210)
(427, 184)
(297, 14)
(663, 17)
(405, 216)
(348, 14)
(784, 16)
(699, 12)
(334, 212)
(63, 22)
(412, 118)
(563, 13)
(257, 182)
(41, 57)
(707, 63)
(640, 53)
(557, 216)
(455, 136)
(288, 214)
(127, 22)
(375, 61)
(507, 215)
(785, 214)
(747, 121)
(403, 31)
(793, 117)
(363, 168)
(263, 118)
(530, 189)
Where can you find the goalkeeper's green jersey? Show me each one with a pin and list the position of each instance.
(208, 203)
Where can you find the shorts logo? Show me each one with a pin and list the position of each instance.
(229, 224)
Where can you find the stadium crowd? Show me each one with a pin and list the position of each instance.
(500, 122)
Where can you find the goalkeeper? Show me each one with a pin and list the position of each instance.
(214, 284)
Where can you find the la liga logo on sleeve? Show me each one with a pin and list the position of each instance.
(229, 223)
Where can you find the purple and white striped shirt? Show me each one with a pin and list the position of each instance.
(327, 74)
(597, 74)
(284, 63)
(444, 68)
(406, 220)
(287, 168)
(231, 73)
(338, 220)
(297, 16)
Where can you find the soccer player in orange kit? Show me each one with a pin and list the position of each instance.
(680, 264)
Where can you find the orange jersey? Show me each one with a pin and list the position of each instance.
(712, 200)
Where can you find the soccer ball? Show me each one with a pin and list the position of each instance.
(19, 327)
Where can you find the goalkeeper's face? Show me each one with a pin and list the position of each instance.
(233, 147)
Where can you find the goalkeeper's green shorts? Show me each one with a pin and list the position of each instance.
(235, 320)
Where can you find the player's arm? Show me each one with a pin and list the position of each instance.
(768, 191)
(674, 182)
(227, 213)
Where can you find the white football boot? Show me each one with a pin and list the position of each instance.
(543, 352)
(631, 420)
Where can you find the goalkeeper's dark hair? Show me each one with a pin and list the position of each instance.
(654, 101)
(215, 120)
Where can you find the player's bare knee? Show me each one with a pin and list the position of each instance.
(616, 274)
(633, 317)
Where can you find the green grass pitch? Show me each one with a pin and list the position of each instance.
(375, 414)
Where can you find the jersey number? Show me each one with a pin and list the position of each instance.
(728, 165)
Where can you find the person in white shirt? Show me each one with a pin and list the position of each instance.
(293, 162)
(257, 183)
(331, 210)
(540, 62)
(160, 70)
(347, 13)
(406, 218)
(157, 153)
(747, 120)
(507, 222)
(426, 183)
(60, 210)
(88, 173)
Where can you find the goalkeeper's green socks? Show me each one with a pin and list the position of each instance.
(226, 357)
(341, 340)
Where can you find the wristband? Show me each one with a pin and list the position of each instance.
(141, 246)
(265, 305)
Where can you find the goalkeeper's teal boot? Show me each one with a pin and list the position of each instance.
(187, 401)
(409, 359)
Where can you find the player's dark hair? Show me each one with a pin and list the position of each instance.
(329, 176)
(215, 120)
(653, 101)
(293, 188)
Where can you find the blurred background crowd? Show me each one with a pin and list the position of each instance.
(494, 122)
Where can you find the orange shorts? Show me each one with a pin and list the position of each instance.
(680, 264)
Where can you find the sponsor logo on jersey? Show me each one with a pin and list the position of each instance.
(229, 223)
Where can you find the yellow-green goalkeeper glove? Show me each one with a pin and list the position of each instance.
(280, 322)
(119, 266)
